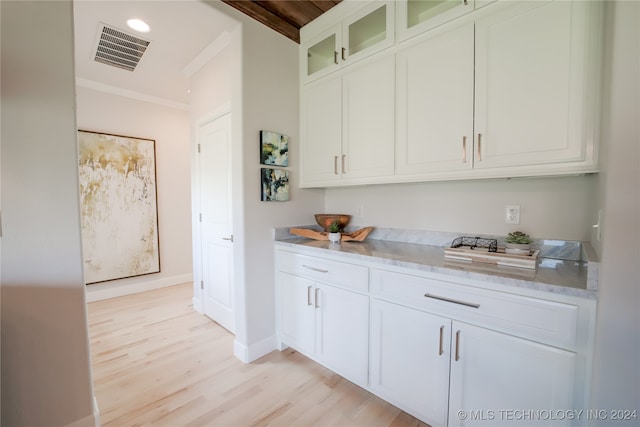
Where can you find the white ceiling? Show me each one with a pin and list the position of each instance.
(180, 30)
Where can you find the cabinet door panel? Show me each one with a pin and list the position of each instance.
(342, 332)
(496, 372)
(410, 353)
(416, 16)
(322, 132)
(531, 84)
(368, 30)
(297, 322)
(435, 103)
(319, 56)
(369, 119)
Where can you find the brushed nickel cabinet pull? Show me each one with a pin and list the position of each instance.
(317, 294)
(335, 57)
(479, 147)
(319, 270)
(309, 295)
(335, 165)
(454, 301)
(464, 149)
(441, 341)
(457, 346)
(344, 170)
(343, 54)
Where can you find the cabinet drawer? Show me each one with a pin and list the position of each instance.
(536, 319)
(343, 274)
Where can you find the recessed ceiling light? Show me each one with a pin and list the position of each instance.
(138, 25)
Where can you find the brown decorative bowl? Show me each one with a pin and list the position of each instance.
(325, 220)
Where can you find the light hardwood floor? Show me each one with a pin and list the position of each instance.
(156, 361)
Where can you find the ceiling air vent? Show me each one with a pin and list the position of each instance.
(119, 49)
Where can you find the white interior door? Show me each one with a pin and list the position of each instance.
(214, 140)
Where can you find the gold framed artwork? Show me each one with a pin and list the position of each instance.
(118, 202)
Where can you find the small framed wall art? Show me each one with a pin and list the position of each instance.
(274, 148)
(275, 185)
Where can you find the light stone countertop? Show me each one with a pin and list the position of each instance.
(560, 276)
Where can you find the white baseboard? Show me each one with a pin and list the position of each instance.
(88, 421)
(197, 305)
(96, 411)
(254, 351)
(102, 291)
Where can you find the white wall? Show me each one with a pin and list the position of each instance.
(559, 208)
(263, 76)
(212, 89)
(170, 128)
(46, 377)
(270, 102)
(616, 370)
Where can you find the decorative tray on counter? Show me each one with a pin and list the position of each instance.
(476, 249)
(355, 236)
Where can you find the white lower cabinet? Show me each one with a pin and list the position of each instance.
(298, 314)
(449, 353)
(410, 352)
(501, 379)
(342, 332)
(327, 323)
(446, 372)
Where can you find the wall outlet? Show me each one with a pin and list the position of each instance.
(512, 214)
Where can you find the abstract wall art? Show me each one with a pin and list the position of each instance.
(274, 148)
(118, 205)
(275, 185)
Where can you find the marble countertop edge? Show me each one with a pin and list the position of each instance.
(416, 250)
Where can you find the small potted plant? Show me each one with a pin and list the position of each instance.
(517, 243)
(334, 232)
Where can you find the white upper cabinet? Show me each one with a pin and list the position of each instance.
(533, 86)
(471, 92)
(321, 131)
(415, 16)
(435, 103)
(320, 55)
(367, 30)
(348, 126)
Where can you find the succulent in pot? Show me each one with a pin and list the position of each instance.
(517, 243)
(334, 232)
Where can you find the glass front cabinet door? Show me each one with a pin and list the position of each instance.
(417, 16)
(366, 31)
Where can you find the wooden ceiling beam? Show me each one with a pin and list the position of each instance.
(283, 16)
(298, 13)
(266, 17)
